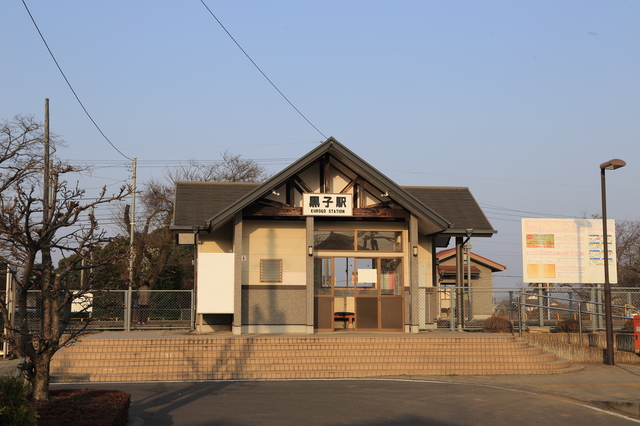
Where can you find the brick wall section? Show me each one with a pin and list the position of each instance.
(567, 346)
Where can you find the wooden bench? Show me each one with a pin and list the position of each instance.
(346, 317)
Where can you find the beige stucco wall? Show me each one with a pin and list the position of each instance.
(425, 257)
(219, 241)
(285, 240)
(427, 298)
(486, 277)
(481, 301)
(270, 307)
(283, 304)
(264, 304)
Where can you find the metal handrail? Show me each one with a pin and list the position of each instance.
(579, 310)
(625, 307)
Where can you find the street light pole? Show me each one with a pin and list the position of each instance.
(608, 315)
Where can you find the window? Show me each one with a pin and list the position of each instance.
(380, 240)
(334, 240)
(323, 276)
(271, 271)
(361, 240)
(391, 277)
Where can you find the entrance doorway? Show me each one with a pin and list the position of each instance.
(358, 293)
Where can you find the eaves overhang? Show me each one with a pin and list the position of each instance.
(456, 232)
(429, 222)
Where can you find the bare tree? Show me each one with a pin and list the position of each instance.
(232, 168)
(21, 150)
(628, 253)
(154, 248)
(31, 231)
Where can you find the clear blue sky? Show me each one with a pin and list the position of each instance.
(519, 101)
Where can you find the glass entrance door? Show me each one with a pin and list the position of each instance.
(343, 292)
(323, 294)
(363, 294)
(367, 295)
(391, 295)
(379, 295)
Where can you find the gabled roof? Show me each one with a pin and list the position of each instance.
(449, 270)
(433, 206)
(448, 254)
(195, 202)
(429, 220)
(457, 205)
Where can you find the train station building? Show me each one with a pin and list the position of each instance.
(329, 243)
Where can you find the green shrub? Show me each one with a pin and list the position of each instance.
(496, 324)
(14, 410)
(568, 326)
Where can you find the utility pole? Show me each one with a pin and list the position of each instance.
(90, 254)
(47, 170)
(127, 325)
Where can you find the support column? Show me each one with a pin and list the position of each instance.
(237, 276)
(310, 274)
(459, 284)
(414, 304)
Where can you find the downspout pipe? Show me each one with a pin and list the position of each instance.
(196, 241)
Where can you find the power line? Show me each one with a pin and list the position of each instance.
(258, 68)
(501, 179)
(228, 146)
(491, 206)
(69, 84)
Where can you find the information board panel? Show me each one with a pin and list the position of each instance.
(567, 251)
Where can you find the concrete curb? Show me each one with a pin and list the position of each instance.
(631, 408)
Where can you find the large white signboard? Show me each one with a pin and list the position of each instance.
(215, 283)
(567, 251)
(327, 204)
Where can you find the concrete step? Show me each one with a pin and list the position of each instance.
(306, 339)
(61, 365)
(394, 369)
(298, 375)
(242, 344)
(176, 353)
(298, 357)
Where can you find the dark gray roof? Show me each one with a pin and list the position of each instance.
(196, 202)
(455, 204)
(437, 209)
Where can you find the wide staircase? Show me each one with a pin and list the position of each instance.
(229, 357)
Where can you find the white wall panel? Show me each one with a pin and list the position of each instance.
(215, 283)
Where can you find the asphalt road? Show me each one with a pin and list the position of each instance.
(352, 402)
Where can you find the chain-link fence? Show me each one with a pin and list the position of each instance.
(439, 307)
(467, 308)
(112, 309)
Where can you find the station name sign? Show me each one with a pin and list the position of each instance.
(314, 204)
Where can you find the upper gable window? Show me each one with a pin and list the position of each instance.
(361, 240)
(334, 240)
(380, 240)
